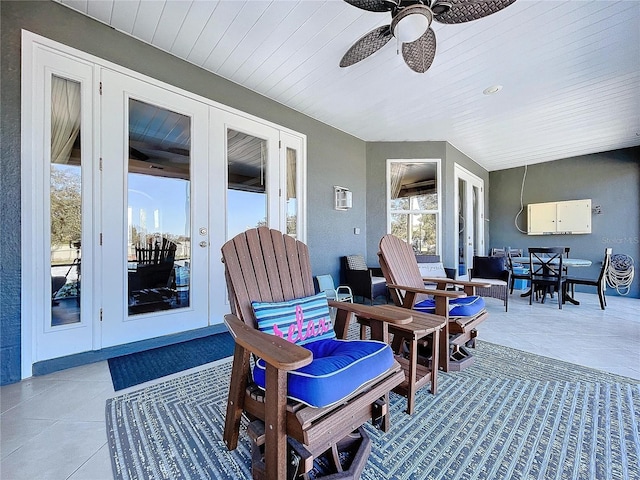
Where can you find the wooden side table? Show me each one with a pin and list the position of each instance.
(418, 371)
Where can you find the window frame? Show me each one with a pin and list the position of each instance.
(437, 212)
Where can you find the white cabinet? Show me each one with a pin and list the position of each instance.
(550, 218)
(541, 218)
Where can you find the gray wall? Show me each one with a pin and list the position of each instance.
(377, 155)
(609, 179)
(334, 158)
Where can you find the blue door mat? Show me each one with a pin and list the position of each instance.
(135, 368)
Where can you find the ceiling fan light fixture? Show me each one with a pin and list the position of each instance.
(411, 26)
(411, 23)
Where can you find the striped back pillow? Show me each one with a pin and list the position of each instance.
(300, 321)
(356, 262)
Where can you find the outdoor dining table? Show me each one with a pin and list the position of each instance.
(566, 262)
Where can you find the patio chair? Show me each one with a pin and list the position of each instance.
(364, 281)
(517, 271)
(492, 270)
(599, 282)
(463, 310)
(154, 264)
(342, 293)
(292, 399)
(156, 252)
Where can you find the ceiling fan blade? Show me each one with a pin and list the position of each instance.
(466, 10)
(419, 55)
(374, 5)
(367, 45)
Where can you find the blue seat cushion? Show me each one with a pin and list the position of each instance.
(339, 367)
(458, 307)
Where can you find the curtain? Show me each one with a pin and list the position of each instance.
(397, 173)
(291, 173)
(65, 118)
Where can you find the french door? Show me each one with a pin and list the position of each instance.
(130, 188)
(469, 204)
(154, 207)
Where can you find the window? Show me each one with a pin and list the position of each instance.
(413, 196)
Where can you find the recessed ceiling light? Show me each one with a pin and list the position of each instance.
(492, 89)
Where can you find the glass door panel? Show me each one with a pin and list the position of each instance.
(291, 194)
(159, 209)
(463, 230)
(477, 216)
(292, 181)
(246, 182)
(65, 201)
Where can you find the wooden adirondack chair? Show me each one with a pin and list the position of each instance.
(406, 286)
(265, 265)
(155, 263)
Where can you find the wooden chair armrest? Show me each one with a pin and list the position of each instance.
(468, 287)
(462, 283)
(429, 291)
(274, 350)
(398, 317)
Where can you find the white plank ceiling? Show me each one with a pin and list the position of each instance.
(570, 70)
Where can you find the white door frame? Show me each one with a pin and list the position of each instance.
(474, 238)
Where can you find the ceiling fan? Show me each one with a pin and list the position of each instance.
(411, 26)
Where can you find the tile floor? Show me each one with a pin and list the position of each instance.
(52, 427)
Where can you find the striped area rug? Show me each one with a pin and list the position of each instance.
(512, 415)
